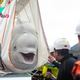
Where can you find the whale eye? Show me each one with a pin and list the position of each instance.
(15, 48)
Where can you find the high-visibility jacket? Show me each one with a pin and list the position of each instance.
(54, 70)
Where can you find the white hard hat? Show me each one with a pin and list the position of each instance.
(78, 30)
(61, 43)
(51, 48)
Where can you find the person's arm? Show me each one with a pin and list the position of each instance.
(51, 76)
(53, 61)
(56, 63)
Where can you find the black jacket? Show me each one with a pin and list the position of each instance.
(56, 63)
(66, 67)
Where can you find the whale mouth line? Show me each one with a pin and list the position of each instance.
(28, 57)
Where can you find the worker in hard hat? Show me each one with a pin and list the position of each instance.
(41, 73)
(78, 33)
(61, 52)
(56, 63)
(50, 67)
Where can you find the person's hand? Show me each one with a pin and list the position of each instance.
(51, 59)
(50, 75)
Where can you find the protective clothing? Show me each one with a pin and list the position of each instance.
(51, 49)
(61, 43)
(78, 30)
